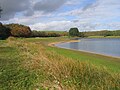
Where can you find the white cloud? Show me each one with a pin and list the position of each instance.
(54, 25)
(62, 26)
(73, 2)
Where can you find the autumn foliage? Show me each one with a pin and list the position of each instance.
(18, 30)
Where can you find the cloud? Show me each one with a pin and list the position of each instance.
(28, 7)
(91, 5)
(29, 12)
(63, 26)
(11, 7)
(48, 5)
(54, 25)
(79, 11)
(62, 14)
(73, 2)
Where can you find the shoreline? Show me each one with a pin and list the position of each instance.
(54, 43)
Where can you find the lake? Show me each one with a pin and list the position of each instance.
(110, 47)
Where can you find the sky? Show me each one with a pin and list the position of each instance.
(61, 15)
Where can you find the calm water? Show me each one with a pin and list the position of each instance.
(109, 47)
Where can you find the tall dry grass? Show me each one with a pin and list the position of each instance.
(56, 72)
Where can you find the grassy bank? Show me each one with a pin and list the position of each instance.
(29, 64)
(112, 64)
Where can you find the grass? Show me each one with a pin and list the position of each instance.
(113, 64)
(12, 75)
(29, 64)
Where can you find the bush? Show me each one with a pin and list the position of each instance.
(4, 32)
(74, 32)
(18, 30)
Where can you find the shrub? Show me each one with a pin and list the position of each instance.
(18, 30)
(74, 32)
(4, 32)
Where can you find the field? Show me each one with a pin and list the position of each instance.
(30, 64)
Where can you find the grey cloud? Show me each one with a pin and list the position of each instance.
(28, 7)
(29, 12)
(11, 7)
(48, 5)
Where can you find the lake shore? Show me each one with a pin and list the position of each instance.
(111, 63)
(89, 52)
(53, 44)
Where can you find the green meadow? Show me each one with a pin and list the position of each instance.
(30, 64)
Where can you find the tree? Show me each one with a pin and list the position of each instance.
(73, 32)
(4, 32)
(18, 30)
(106, 33)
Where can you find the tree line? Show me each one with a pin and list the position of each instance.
(18, 30)
(36, 33)
(15, 30)
(104, 33)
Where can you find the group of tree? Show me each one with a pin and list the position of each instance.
(48, 33)
(18, 30)
(102, 33)
(4, 32)
(15, 30)
(73, 32)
